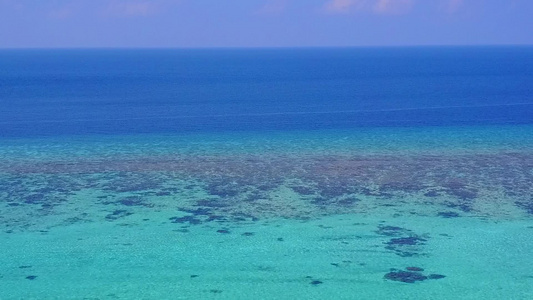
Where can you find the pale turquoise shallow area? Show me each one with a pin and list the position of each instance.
(298, 215)
(481, 259)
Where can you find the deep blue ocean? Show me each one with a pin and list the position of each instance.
(65, 92)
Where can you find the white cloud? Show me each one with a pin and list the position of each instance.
(453, 5)
(392, 6)
(369, 6)
(273, 7)
(344, 6)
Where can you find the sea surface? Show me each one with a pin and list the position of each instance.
(348, 173)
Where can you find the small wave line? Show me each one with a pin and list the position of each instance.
(267, 114)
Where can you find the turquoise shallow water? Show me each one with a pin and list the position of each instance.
(273, 215)
(378, 140)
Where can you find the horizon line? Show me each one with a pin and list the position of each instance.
(263, 47)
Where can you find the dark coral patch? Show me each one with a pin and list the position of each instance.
(202, 211)
(34, 199)
(392, 230)
(212, 203)
(460, 189)
(223, 190)
(132, 182)
(46, 206)
(526, 205)
(448, 214)
(238, 216)
(186, 219)
(132, 201)
(303, 190)
(412, 240)
(348, 201)
(464, 194)
(248, 234)
(414, 269)
(321, 200)
(316, 282)
(31, 277)
(406, 246)
(117, 214)
(405, 276)
(224, 231)
(432, 194)
(162, 193)
(215, 218)
(463, 206)
(436, 276)
(332, 191)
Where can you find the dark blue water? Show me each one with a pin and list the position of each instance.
(65, 92)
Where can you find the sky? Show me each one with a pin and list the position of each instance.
(263, 23)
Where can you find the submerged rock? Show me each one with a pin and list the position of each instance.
(436, 276)
(405, 276)
(412, 240)
(186, 219)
